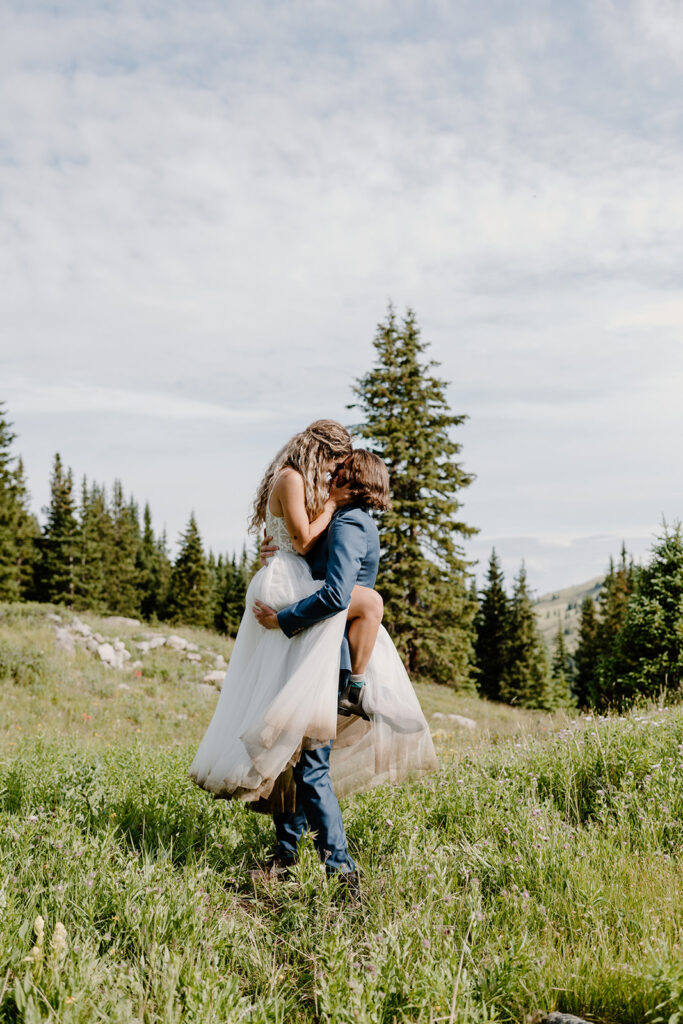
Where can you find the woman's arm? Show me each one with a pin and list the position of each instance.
(287, 500)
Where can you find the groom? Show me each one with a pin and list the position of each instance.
(348, 554)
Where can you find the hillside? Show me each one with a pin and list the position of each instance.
(507, 885)
(564, 606)
(107, 678)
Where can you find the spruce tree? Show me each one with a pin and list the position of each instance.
(96, 560)
(232, 580)
(492, 632)
(9, 587)
(26, 537)
(586, 678)
(164, 569)
(614, 598)
(647, 658)
(560, 671)
(124, 597)
(59, 546)
(18, 527)
(423, 572)
(190, 591)
(526, 680)
(149, 569)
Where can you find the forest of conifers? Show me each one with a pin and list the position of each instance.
(94, 550)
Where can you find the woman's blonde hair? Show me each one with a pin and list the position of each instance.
(309, 453)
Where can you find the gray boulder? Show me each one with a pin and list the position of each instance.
(65, 640)
(216, 678)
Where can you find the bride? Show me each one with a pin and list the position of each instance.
(280, 695)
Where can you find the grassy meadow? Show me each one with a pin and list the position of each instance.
(538, 870)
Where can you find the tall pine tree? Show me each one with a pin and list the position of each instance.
(526, 680)
(647, 656)
(190, 586)
(423, 572)
(59, 545)
(19, 529)
(586, 678)
(492, 625)
(96, 560)
(560, 671)
(124, 597)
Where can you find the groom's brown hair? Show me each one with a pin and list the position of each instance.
(368, 478)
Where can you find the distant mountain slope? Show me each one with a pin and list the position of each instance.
(564, 606)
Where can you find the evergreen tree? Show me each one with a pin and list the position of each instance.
(423, 572)
(231, 590)
(9, 587)
(149, 569)
(492, 625)
(18, 528)
(190, 591)
(97, 560)
(560, 671)
(586, 680)
(26, 537)
(123, 595)
(613, 600)
(58, 569)
(164, 575)
(647, 658)
(526, 680)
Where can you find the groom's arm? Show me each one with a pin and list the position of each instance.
(347, 548)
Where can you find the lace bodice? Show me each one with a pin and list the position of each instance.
(276, 528)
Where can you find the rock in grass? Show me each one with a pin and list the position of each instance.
(157, 641)
(462, 721)
(176, 643)
(121, 620)
(556, 1018)
(193, 657)
(216, 677)
(65, 640)
(108, 655)
(80, 627)
(219, 661)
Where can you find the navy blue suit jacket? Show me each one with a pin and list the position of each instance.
(348, 554)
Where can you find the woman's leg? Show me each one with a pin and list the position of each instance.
(364, 617)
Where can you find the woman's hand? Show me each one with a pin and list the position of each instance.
(268, 549)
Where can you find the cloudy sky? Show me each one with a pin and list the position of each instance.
(205, 208)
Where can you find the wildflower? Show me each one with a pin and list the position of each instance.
(58, 944)
(36, 953)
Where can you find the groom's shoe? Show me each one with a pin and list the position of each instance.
(351, 702)
(276, 867)
(349, 885)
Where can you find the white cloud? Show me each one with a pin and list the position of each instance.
(206, 208)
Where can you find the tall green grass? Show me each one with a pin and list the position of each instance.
(526, 876)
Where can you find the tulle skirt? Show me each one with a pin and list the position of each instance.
(279, 696)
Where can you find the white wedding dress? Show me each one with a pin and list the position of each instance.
(279, 696)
